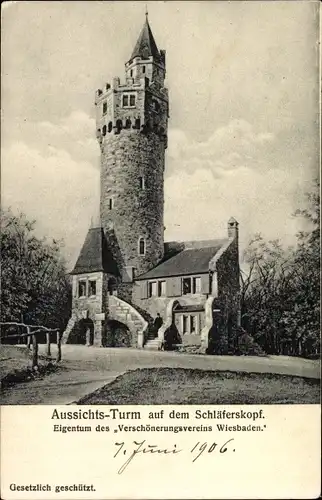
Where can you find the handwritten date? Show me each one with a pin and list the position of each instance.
(142, 447)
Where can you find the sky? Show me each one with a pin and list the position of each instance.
(243, 136)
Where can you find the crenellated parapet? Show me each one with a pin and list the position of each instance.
(128, 124)
(136, 105)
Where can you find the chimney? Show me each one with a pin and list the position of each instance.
(232, 228)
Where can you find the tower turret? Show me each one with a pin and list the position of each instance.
(146, 60)
(132, 122)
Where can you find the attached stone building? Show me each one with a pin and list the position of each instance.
(125, 274)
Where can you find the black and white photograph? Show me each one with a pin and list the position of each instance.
(160, 203)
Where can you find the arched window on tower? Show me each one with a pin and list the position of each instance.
(143, 69)
(142, 246)
(110, 126)
(128, 123)
(104, 130)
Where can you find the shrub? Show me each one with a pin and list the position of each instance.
(245, 344)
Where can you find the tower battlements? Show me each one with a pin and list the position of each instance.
(141, 102)
(136, 104)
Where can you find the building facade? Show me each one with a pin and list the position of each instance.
(126, 276)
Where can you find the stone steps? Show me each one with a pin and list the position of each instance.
(152, 345)
(68, 330)
(125, 313)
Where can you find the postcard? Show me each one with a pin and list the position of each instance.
(160, 250)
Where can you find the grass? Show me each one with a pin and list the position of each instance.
(187, 386)
(15, 366)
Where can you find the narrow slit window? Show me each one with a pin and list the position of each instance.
(143, 69)
(104, 107)
(142, 183)
(111, 204)
(141, 246)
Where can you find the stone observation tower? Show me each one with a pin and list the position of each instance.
(130, 288)
(132, 121)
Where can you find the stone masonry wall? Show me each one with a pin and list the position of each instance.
(91, 304)
(228, 286)
(136, 212)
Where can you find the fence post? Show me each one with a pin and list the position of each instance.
(28, 338)
(48, 343)
(58, 347)
(34, 351)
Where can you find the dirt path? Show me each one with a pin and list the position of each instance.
(85, 369)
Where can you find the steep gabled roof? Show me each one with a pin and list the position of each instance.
(95, 254)
(186, 262)
(145, 46)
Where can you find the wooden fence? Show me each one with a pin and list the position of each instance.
(31, 334)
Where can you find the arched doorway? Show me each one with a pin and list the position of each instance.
(117, 334)
(82, 333)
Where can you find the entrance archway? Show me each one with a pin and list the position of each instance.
(83, 333)
(117, 334)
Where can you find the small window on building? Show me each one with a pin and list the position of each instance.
(104, 107)
(92, 288)
(196, 285)
(82, 288)
(132, 100)
(119, 125)
(141, 246)
(131, 73)
(185, 324)
(128, 123)
(137, 123)
(161, 288)
(193, 324)
(186, 286)
(143, 69)
(141, 183)
(110, 203)
(152, 289)
(125, 100)
(110, 126)
(104, 130)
